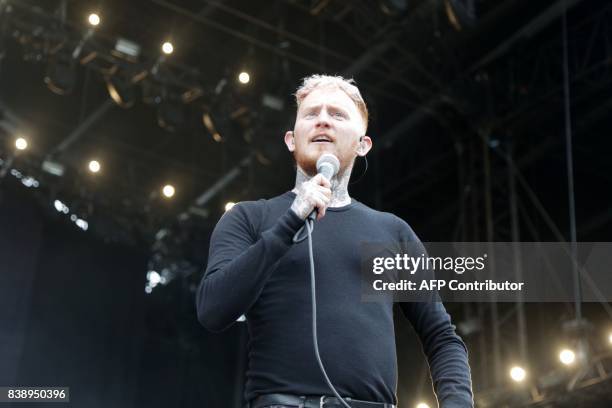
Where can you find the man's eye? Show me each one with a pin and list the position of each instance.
(339, 114)
(309, 115)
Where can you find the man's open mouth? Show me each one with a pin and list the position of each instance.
(321, 139)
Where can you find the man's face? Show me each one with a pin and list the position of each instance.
(327, 121)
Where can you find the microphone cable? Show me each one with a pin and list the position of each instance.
(365, 158)
(309, 227)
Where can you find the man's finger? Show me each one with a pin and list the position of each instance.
(325, 182)
(320, 180)
(324, 192)
(320, 214)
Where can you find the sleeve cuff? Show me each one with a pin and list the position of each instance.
(457, 402)
(286, 227)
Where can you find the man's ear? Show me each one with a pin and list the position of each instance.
(290, 140)
(365, 144)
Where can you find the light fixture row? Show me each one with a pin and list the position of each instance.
(167, 47)
(94, 166)
(567, 357)
(21, 143)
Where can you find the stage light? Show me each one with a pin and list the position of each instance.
(210, 126)
(93, 19)
(422, 405)
(244, 77)
(167, 48)
(60, 76)
(567, 356)
(94, 166)
(120, 91)
(82, 224)
(21, 143)
(229, 205)
(272, 102)
(29, 181)
(610, 338)
(154, 278)
(517, 373)
(52, 167)
(168, 190)
(61, 207)
(460, 13)
(191, 94)
(127, 48)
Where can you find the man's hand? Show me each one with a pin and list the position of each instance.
(314, 193)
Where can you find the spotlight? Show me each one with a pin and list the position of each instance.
(610, 338)
(120, 91)
(167, 48)
(82, 224)
(244, 77)
(94, 166)
(517, 373)
(272, 102)
(61, 207)
(168, 190)
(93, 19)
(127, 49)
(229, 205)
(61, 75)
(29, 181)
(210, 126)
(422, 405)
(191, 94)
(52, 167)
(567, 356)
(460, 13)
(21, 143)
(154, 278)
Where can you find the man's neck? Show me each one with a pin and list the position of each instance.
(339, 186)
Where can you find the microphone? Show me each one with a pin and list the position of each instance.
(327, 165)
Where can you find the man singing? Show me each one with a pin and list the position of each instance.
(255, 268)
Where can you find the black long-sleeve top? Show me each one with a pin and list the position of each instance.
(255, 269)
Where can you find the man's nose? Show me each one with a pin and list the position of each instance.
(323, 120)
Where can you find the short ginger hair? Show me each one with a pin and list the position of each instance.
(349, 87)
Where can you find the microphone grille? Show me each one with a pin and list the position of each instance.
(328, 165)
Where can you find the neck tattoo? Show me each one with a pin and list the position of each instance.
(339, 186)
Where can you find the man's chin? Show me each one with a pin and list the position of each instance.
(309, 169)
(308, 164)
